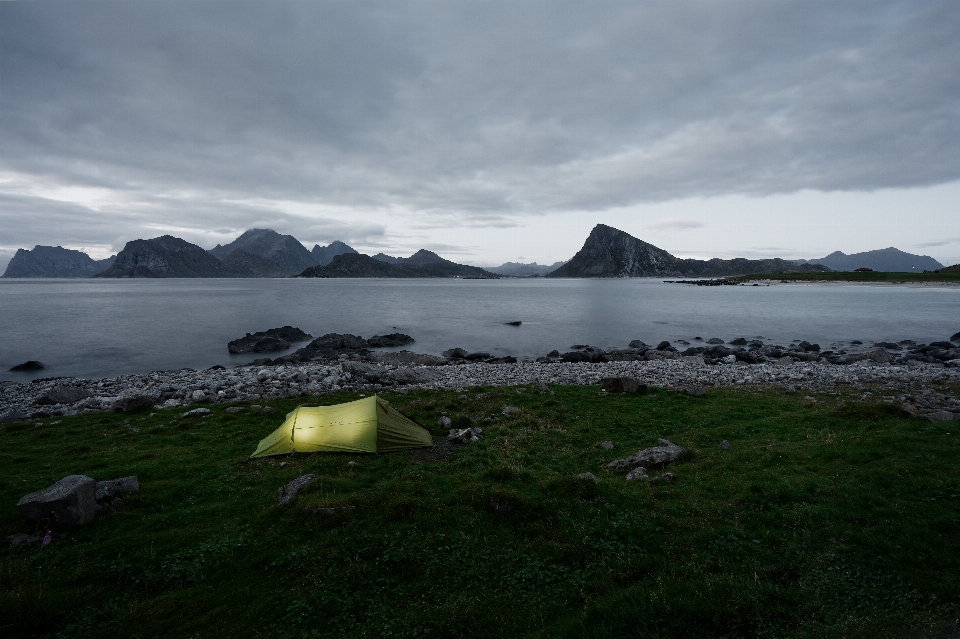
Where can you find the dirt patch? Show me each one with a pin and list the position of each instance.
(441, 449)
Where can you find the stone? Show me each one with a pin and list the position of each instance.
(809, 399)
(639, 344)
(725, 445)
(740, 341)
(107, 490)
(196, 412)
(637, 473)
(786, 360)
(13, 415)
(655, 355)
(939, 416)
(28, 366)
(664, 478)
(588, 476)
(455, 353)
(275, 339)
(464, 435)
(877, 354)
(444, 422)
(694, 391)
(20, 539)
(269, 410)
(334, 510)
(480, 355)
(606, 444)
(955, 338)
(714, 340)
(392, 340)
(663, 345)
(514, 323)
(663, 453)
(729, 359)
(233, 409)
(72, 500)
(543, 388)
(622, 385)
(285, 494)
(509, 410)
(62, 394)
(265, 374)
(134, 403)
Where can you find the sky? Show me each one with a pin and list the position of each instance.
(487, 131)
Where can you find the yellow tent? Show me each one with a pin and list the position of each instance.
(368, 425)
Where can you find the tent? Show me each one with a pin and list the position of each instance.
(367, 425)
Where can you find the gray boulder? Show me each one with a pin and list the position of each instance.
(464, 435)
(955, 338)
(445, 422)
(694, 391)
(107, 490)
(637, 474)
(588, 476)
(607, 444)
(133, 403)
(369, 372)
(657, 456)
(285, 494)
(725, 445)
(878, 355)
(455, 353)
(62, 394)
(72, 500)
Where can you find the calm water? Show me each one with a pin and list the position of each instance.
(99, 328)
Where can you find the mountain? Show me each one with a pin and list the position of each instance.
(244, 264)
(359, 265)
(165, 256)
(284, 251)
(421, 264)
(516, 269)
(389, 259)
(890, 260)
(609, 252)
(323, 255)
(54, 261)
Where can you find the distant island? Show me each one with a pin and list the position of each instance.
(264, 253)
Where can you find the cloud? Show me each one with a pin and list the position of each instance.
(943, 242)
(675, 224)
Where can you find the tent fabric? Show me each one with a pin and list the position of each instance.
(369, 425)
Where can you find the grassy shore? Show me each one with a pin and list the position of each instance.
(950, 274)
(829, 519)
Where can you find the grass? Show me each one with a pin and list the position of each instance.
(950, 274)
(837, 519)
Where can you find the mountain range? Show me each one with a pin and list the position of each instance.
(607, 252)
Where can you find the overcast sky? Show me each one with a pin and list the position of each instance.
(486, 131)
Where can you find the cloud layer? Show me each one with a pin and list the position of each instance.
(344, 120)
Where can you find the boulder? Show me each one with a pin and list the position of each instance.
(28, 366)
(509, 410)
(637, 473)
(234, 409)
(514, 323)
(361, 370)
(664, 478)
(275, 339)
(588, 476)
(939, 416)
(725, 445)
(622, 385)
(480, 355)
(455, 353)
(654, 355)
(877, 354)
(72, 500)
(607, 444)
(445, 423)
(638, 344)
(133, 403)
(62, 394)
(464, 435)
(657, 456)
(13, 415)
(714, 340)
(694, 391)
(285, 494)
(663, 345)
(390, 341)
(107, 490)
(740, 341)
(411, 375)
(955, 338)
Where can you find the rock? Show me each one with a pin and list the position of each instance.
(514, 323)
(509, 410)
(20, 539)
(285, 494)
(444, 422)
(543, 388)
(694, 391)
(412, 375)
(133, 403)
(663, 453)
(729, 359)
(465, 435)
(72, 500)
(740, 341)
(265, 375)
(955, 338)
(589, 476)
(196, 412)
(876, 354)
(553, 353)
(269, 410)
(588, 354)
(455, 353)
(28, 366)
(655, 355)
(369, 372)
(479, 355)
(13, 415)
(335, 510)
(622, 385)
(807, 346)
(637, 473)
(275, 339)
(714, 340)
(390, 341)
(606, 444)
(233, 409)
(664, 478)
(786, 360)
(62, 394)
(107, 490)
(725, 445)
(810, 400)
(663, 345)
(939, 416)
(638, 344)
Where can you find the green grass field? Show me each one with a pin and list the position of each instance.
(833, 520)
(946, 275)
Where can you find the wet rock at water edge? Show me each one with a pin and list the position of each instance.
(62, 394)
(455, 353)
(740, 341)
(275, 339)
(390, 341)
(514, 323)
(714, 340)
(72, 500)
(28, 366)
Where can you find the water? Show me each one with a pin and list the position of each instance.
(101, 328)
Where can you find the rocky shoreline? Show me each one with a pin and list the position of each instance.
(875, 372)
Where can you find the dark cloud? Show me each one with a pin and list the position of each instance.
(204, 116)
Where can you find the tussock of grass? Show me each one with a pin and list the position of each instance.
(837, 519)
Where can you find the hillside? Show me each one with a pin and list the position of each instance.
(323, 255)
(165, 256)
(283, 251)
(610, 252)
(517, 269)
(890, 260)
(353, 265)
(54, 261)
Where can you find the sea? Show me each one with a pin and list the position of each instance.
(105, 328)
